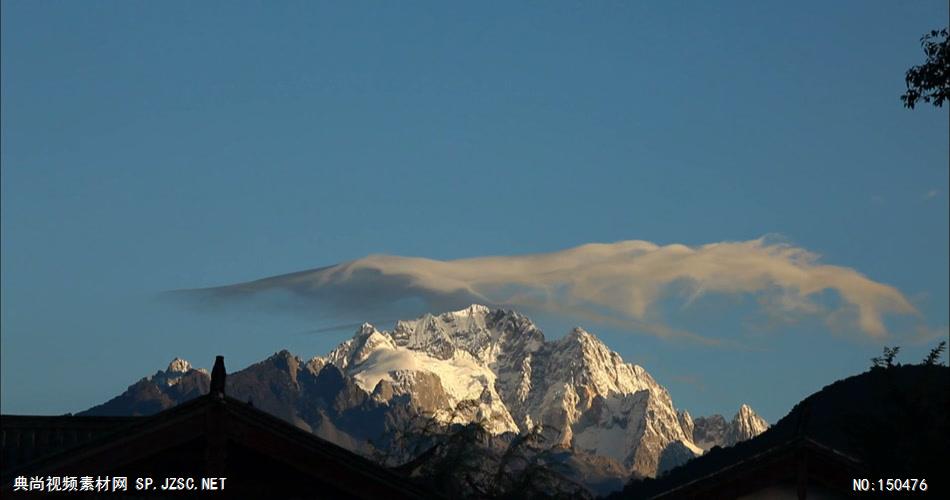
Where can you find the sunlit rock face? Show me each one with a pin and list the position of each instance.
(387, 394)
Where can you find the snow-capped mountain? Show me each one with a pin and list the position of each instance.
(585, 394)
(165, 389)
(715, 431)
(386, 393)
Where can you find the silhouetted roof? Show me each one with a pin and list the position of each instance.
(213, 435)
(799, 460)
(24, 438)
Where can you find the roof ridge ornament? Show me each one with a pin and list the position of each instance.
(218, 376)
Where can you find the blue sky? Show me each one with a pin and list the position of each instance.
(149, 147)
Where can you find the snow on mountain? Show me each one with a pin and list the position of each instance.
(746, 425)
(714, 430)
(177, 369)
(178, 365)
(583, 393)
(378, 392)
(398, 359)
(165, 389)
(686, 422)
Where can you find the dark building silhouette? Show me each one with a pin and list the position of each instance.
(798, 469)
(218, 376)
(213, 436)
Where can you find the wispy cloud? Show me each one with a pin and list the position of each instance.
(924, 334)
(619, 283)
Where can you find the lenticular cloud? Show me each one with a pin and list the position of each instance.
(620, 283)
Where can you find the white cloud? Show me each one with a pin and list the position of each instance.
(618, 283)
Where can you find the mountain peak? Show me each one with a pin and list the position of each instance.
(178, 365)
(714, 430)
(747, 424)
(580, 334)
(579, 339)
(471, 310)
(747, 414)
(282, 354)
(284, 360)
(365, 329)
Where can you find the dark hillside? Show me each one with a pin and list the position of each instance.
(891, 421)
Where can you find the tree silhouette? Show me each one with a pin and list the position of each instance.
(930, 81)
(934, 357)
(885, 360)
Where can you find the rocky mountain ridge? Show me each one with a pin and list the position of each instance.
(493, 368)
